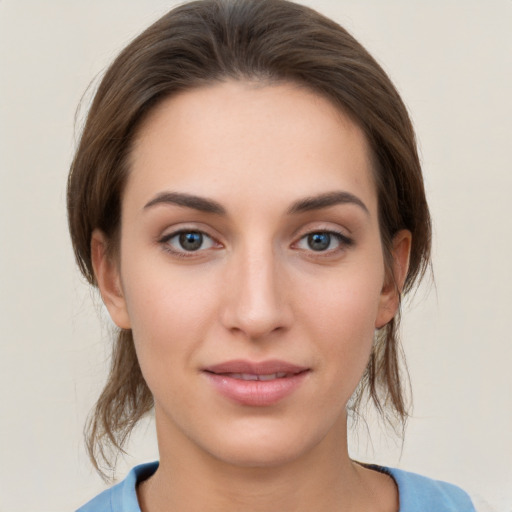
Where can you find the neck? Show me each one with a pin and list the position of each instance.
(192, 480)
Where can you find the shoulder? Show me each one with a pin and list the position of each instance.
(421, 494)
(122, 497)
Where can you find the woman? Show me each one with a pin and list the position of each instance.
(248, 199)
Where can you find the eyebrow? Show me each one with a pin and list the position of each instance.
(187, 200)
(326, 200)
(210, 206)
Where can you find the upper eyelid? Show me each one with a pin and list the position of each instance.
(185, 227)
(169, 236)
(322, 227)
(175, 232)
(343, 238)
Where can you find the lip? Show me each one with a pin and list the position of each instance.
(239, 380)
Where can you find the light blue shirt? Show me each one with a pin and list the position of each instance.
(417, 493)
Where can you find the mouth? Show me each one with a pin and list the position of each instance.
(240, 368)
(253, 376)
(256, 383)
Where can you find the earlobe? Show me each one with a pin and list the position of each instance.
(106, 271)
(394, 283)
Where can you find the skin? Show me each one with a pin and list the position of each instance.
(255, 290)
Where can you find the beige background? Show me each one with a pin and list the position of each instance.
(451, 60)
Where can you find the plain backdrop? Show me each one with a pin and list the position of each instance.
(452, 63)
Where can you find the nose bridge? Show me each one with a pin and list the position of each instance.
(255, 291)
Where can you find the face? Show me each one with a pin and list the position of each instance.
(250, 270)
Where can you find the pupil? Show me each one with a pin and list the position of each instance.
(191, 241)
(319, 241)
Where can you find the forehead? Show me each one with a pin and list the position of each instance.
(238, 135)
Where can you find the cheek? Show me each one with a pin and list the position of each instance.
(170, 313)
(347, 322)
(340, 317)
(344, 301)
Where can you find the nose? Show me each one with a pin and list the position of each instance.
(256, 304)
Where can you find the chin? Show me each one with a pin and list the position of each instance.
(259, 455)
(264, 446)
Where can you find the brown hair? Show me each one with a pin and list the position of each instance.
(267, 40)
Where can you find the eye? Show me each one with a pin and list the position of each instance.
(323, 241)
(187, 241)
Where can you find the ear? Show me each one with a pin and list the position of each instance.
(106, 271)
(395, 278)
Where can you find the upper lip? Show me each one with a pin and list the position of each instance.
(255, 368)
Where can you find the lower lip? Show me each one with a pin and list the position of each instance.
(256, 393)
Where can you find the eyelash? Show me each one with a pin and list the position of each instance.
(343, 241)
(166, 246)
